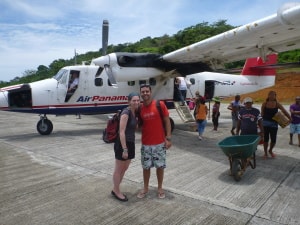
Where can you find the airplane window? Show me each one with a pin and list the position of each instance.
(131, 83)
(99, 71)
(192, 80)
(152, 81)
(142, 82)
(59, 74)
(98, 82)
(64, 79)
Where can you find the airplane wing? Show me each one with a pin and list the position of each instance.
(273, 34)
(276, 33)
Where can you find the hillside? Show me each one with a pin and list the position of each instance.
(287, 86)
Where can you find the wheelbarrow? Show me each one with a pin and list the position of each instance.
(240, 151)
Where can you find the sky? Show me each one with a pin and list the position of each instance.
(35, 32)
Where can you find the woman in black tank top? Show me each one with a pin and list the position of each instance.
(268, 109)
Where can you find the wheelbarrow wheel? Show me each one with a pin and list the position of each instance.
(236, 169)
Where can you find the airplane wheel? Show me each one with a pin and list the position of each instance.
(44, 127)
(172, 124)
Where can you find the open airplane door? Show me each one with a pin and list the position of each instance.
(209, 89)
(20, 98)
(62, 86)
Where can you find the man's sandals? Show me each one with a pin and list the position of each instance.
(142, 194)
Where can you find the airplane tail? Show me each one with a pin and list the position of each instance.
(256, 66)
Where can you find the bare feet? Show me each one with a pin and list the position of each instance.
(272, 154)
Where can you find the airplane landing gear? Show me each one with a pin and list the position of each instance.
(44, 126)
(172, 124)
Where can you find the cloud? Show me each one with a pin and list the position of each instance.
(35, 32)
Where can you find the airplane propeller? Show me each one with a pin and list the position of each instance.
(109, 73)
(105, 27)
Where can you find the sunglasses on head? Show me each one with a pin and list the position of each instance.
(144, 85)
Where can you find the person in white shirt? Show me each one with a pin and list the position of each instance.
(74, 82)
(182, 87)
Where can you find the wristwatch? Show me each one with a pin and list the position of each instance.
(168, 138)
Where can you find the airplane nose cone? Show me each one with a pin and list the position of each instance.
(101, 61)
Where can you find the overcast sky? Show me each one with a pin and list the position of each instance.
(35, 32)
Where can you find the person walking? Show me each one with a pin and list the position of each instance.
(235, 107)
(216, 112)
(201, 112)
(124, 146)
(268, 110)
(295, 123)
(156, 138)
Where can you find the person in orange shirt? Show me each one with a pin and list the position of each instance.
(201, 112)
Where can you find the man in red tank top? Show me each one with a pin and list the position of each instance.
(156, 138)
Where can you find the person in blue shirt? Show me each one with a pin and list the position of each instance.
(249, 120)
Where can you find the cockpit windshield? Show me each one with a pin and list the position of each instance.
(60, 74)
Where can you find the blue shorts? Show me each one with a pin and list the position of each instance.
(295, 128)
(153, 156)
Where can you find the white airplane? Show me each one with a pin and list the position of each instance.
(104, 85)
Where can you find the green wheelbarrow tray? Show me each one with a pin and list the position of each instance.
(242, 146)
(240, 151)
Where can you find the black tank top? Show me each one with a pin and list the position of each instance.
(269, 113)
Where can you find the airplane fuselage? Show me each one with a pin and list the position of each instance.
(95, 94)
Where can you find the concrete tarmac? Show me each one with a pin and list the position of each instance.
(66, 178)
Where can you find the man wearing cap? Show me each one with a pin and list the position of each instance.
(248, 119)
(295, 124)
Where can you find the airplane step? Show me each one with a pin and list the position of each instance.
(184, 112)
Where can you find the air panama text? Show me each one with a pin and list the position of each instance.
(101, 98)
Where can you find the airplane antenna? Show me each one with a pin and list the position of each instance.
(75, 57)
(105, 26)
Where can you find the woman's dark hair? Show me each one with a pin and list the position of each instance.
(132, 94)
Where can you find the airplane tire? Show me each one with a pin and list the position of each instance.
(172, 124)
(44, 127)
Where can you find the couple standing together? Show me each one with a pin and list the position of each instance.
(156, 138)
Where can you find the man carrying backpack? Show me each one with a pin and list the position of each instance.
(156, 138)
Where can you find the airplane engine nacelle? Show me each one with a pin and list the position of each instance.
(135, 73)
(130, 66)
(288, 14)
